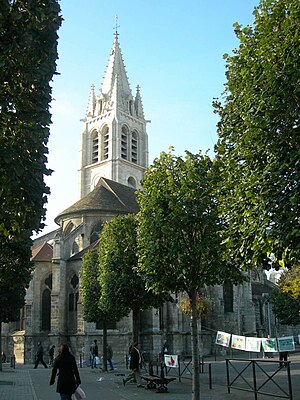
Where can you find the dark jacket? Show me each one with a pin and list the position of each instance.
(68, 375)
(135, 359)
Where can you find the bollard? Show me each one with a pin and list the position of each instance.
(209, 376)
(80, 360)
(13, 362)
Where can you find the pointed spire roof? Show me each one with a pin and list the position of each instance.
(115, 68)
(138, 105)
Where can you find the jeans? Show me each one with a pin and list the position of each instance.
(65, 396)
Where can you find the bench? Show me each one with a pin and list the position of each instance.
(157, 382)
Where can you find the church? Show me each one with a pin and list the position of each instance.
(114, 158)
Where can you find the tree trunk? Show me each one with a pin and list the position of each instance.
(104, 348)
(195, 347)
(135, 325)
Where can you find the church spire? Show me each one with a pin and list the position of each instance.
(115, 68)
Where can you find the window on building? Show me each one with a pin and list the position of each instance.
(69, 228)
(134, 147)
(228, 298)
(131, 182)
(46, 309)
(124, 142)
(73, 297)
(105, 143)
(46, 304)
(95, 149)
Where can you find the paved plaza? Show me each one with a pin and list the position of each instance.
(26, 383)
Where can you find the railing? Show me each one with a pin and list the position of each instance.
(256, 374)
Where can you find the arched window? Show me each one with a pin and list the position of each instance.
(134, 147)
(96, 232)
(124, 142)
(131, 182)
(105, 150)
(95, 149)
(46, 305)
(73, 297)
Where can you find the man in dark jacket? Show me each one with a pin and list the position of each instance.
(39, 356)
(135, 362)
(68, 375)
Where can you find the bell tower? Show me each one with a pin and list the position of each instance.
(114, 142)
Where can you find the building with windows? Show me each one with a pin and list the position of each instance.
(114, 158)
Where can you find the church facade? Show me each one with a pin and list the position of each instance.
(114, 158)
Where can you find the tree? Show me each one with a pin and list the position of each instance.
(179, 244)
(285, 307)
(258, 146)
(123, 289)
(290, 281)
(28, 41)
(91, 293)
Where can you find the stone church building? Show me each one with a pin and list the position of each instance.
(114, 158)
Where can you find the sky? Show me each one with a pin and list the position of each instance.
(172, 49)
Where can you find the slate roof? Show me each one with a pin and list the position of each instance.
(107, 196)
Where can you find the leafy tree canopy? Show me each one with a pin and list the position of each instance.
(28, 41)
(258, 145)
(290, 282)
(285, 307)
(179, 240)
(122, 288)
(90, 287)
(15, 274)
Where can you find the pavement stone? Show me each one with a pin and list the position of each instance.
(26, 383)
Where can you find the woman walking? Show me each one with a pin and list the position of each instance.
(68, 375)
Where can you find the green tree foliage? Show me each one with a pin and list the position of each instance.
(259, 134)
(91, 293)
(179, 244)
(285, 307)
(290, 281)
(123, 289)
(28, 41)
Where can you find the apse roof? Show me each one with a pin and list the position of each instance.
(107, 196)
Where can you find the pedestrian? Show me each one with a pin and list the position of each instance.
(135, 362)
(109, 354)
(68, 375)
(51, 355)
(283, 356)
(165, 350)
(94, 352)
(39, 356)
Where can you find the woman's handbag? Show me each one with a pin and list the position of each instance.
(79, 394)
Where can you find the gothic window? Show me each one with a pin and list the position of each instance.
(95, 149)
(105, 151)
(73, 297)
(228, 298)
(96, 232)
(124, 142)
(46, 304)
(46, 309)
(134, 147)
(131, 182)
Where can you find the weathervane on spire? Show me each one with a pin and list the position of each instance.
(117, 26)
